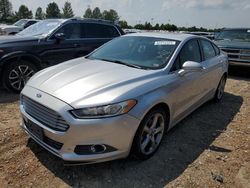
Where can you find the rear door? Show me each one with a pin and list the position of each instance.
(98, 34)
(211, 63)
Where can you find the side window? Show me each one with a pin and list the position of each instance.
(100, 31)
(217, 50)
(71, 31)
(189, 52)
(208, 49)
(29, 24)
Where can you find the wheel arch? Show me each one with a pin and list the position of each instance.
(163, 106)
(17, 56)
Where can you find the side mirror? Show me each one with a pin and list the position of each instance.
(60, 36)
(190, 66)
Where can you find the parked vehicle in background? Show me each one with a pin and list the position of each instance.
(47, 43)
(16, 27)
(129, 31)
(123, 97)
(208, 35)
(236, 43)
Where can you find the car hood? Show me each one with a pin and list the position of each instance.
(82, 82)
(15, 38)
(233, 44)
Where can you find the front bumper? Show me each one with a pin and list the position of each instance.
(239, 63)
(117, 132)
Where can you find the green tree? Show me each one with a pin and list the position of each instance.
(148, 26)
(23, 13)
(53, 11)
(88, 13)
(40, 15)
(111, 15)
(123, 24)
(139, 26)
(96, 13)
(157, 27)
(5, 11)
(67, 10)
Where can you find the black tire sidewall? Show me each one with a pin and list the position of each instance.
(136, 149)
(216, 99)
(9, 67)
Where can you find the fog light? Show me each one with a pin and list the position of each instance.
(93, 149)
(98, 148)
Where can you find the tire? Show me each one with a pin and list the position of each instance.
(143, 146)
(220, 89)
(16, 74)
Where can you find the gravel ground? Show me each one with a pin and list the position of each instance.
(207, 149)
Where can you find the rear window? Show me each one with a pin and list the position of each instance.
(100, 31)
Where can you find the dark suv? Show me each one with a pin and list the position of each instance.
(48, 43)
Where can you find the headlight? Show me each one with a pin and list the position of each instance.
(104, 111)
(3, 32)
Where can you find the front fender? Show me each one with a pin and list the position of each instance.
(150, 100)
(18, 54)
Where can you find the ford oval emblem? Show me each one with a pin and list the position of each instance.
(39, 95)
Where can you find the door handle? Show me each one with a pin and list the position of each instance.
(77, 45)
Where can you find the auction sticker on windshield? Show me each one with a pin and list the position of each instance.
(164, 42)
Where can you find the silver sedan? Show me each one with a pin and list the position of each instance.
(123, 97)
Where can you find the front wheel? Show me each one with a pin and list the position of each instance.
(149, 134)
(16, 75)
(220, 89)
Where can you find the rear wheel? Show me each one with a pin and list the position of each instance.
(16, 75)
(149, 134)
(220, 89)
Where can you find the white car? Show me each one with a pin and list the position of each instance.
(16, 27)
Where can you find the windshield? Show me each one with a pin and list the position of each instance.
(20, 23)
(137, 51)
(236, 34)
(41, 28)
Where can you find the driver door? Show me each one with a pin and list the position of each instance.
(189, 88)
(57, 51)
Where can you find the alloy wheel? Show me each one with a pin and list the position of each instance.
(19, 76)
(152, 134)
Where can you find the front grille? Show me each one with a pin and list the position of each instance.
(237, 54)
(44, 115)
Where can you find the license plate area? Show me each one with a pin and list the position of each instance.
(35, 129)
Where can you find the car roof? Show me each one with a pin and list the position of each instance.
(92, 20)
(172, 36)
(237, 28)
(30, 20)
(88, 20)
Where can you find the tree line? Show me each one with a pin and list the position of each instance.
(7, 15)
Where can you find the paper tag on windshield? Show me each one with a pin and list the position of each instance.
(248, 31)
(164, 42)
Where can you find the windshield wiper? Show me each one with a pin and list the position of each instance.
(122, 63)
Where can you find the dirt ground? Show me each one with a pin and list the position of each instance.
(207, 149)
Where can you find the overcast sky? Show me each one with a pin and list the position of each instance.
(205, 13)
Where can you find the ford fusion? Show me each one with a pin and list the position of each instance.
(123, 97)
